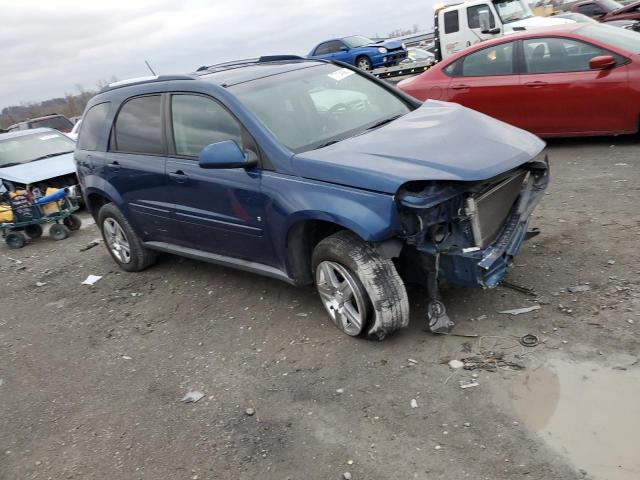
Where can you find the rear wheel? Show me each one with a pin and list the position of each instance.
(363, 63)
(15, 240)
(122, 242)
(360, 290)
(73, 222)
(57, 231)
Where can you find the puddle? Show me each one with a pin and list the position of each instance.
(587, 412)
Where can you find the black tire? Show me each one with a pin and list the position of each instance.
(73, 222)
(15, 240)
(33, 231)
(388, 304)
(58, 231)
(140, 257)
(364, 63)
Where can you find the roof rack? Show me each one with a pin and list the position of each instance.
(149, 79)
(240, 63)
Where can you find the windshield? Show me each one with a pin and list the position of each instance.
(357, 41)
(621, 38)
(512, 10)
(610, 5)
(26, 148)
(308, 108)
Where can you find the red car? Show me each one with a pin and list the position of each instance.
(581, 79)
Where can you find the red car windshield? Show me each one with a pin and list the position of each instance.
(621, 38)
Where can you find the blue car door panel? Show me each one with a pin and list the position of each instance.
(220, 210)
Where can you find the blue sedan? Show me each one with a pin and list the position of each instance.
(362, 52)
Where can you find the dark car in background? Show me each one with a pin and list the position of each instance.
(361, 52)
(607, 10)
(55, 121)
(310, 171)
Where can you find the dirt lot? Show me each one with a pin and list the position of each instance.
(91, 377)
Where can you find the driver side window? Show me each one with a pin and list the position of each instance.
(198, 121)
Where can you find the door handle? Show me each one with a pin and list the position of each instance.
(179, 176)
(535, 84)
(460, 87)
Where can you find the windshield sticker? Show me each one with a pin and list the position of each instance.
(48, 137)
(341, 74)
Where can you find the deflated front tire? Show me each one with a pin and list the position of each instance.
(361, 291)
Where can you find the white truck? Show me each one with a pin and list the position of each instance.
(461, 25)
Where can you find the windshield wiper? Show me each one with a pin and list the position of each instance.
(326, 144)
(12, 164)
(49, 155)
(384, 122)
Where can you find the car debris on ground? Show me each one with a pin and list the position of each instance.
(91, 279)
(192, 397)
(518, 311)
(579, 288)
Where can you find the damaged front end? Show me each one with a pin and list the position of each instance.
(467, 232)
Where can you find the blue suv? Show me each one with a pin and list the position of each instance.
(362, 52)
(308, 171)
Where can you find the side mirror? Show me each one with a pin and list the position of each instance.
(225, 154)
(344, 49)
(483, 20)
(602, 62)
(493, 31)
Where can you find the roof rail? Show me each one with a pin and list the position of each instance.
(149, 79)
(278, 58)
(240, 63)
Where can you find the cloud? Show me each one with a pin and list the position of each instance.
(48, 48)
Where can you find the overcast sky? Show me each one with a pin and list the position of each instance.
(48, 47)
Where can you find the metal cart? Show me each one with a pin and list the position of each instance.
(28, 219)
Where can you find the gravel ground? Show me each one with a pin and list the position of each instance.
(91, 377)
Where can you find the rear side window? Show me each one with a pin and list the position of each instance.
(199, 121)
(451, 22)
(495, 60)
(322, 49)
(138, 128)
(473, 16)
(91, 125)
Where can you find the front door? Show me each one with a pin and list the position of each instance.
(561, 95)
(135, 166)
(221, 211)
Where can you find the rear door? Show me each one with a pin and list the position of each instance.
(218, 210)
(487, 80)
(561, 95)
(135, 166)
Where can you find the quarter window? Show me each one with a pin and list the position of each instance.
(473, 16)
(199, 121)
(451, 22)
(90, 126)
(551, 55)
(138, 128)
(495, 60)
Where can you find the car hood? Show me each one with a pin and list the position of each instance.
(40, 169)
(438, 141)
(388, 44)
